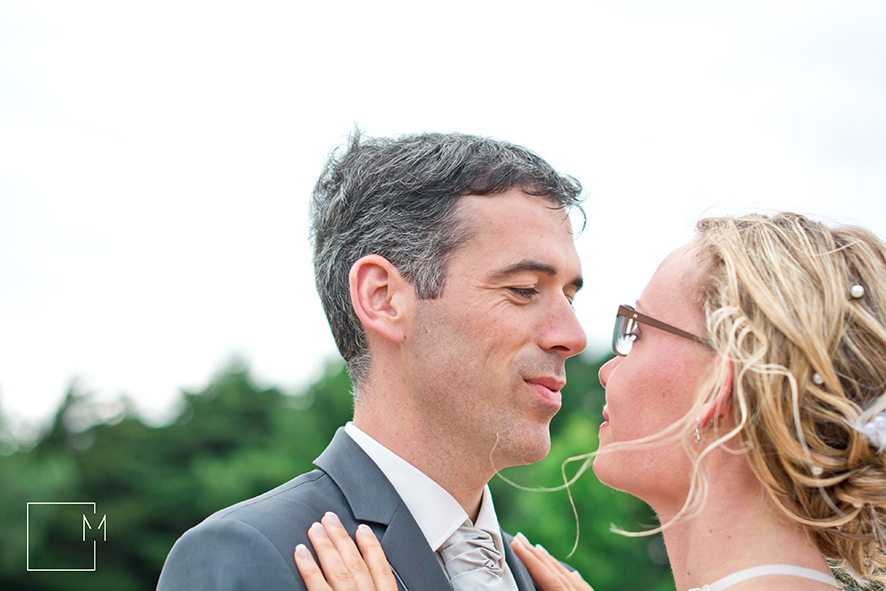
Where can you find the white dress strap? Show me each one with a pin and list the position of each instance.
(766, 570)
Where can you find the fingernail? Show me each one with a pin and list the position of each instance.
(365, 530)
(318, 529)
(302, 551)
(332, 518)
(522, 539)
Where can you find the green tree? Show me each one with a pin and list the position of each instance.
(233, 440)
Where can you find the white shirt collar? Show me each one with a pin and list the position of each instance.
(436, 512)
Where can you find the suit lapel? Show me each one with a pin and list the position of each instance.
(374, 501)
(410, 555)
(369, 493)
(518, 569)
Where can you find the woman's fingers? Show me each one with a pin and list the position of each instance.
(342, 564)
(309, 570)
(547, 572)
(546, 578)
(344, 567)
(372, 552)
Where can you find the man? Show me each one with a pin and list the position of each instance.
(447, 268)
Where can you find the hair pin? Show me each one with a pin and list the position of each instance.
(857, 291)
(874, 430)
(817, 379)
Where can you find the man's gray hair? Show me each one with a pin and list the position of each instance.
(397, 198)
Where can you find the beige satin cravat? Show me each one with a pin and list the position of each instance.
(472, 560)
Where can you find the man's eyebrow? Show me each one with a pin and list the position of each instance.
(533, 267)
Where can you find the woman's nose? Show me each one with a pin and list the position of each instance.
(606, 370)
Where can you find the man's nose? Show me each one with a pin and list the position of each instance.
(564, 333)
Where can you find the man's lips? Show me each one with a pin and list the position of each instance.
(551, 383)
(548, 389)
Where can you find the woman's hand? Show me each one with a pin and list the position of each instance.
(345, 568)
(546, 571)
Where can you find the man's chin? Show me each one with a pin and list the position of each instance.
(531, 449)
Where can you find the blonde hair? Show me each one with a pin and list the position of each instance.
(778, 306)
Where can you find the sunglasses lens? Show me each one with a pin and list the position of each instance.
(623, 335)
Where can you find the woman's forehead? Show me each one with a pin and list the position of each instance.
(677, 281)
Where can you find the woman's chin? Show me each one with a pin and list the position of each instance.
(600, 467)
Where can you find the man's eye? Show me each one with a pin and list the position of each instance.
(524, 292)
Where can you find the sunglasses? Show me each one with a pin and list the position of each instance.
(626, 322)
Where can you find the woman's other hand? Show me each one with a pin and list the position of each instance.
(344, 567)
(546, 571)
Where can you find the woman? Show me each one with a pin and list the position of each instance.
(746, 404)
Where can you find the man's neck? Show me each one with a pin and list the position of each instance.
(442, 461)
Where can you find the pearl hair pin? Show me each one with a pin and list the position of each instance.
(875, 430)
(857, 291)
(817, 379)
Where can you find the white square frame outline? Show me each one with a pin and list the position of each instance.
(28, 540)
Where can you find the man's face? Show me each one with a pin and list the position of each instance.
(485, 360)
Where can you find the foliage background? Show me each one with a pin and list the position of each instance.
(233, 440)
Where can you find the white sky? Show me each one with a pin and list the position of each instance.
(156, 157)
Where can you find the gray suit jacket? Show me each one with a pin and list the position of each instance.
(250, 545)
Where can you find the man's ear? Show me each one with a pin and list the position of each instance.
(721, 403)
(380, 296)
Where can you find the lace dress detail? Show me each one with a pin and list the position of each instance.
(765, 570)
